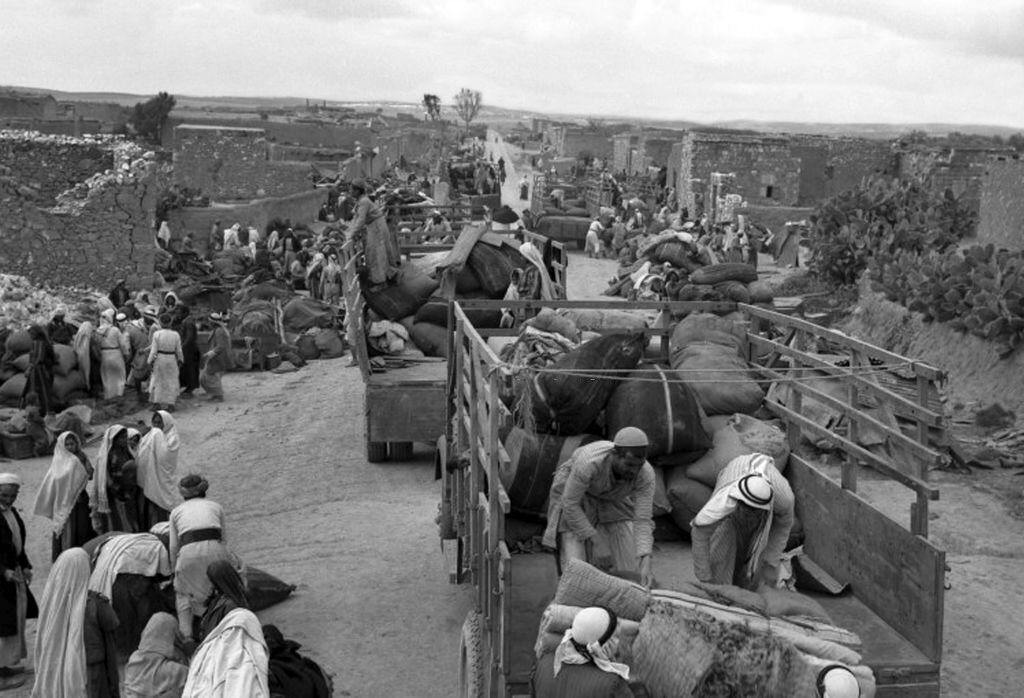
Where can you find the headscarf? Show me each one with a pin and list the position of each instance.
(752, 489)
(158, 463)
(228, 582)
(10, 479)
(133, 434)
(97, 489)
(585, 642)
(65, 479)
(152, 670)
(107, 318)
(60, 639)
(128, 553)
(231, 661)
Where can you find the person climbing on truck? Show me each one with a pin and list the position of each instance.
(600, 506)
(739, 535)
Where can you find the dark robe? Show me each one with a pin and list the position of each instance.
(288, 672)
(61, 332)
(100, 654)
(11, 559)
(39, 377)
(188, 376)
(577, 681)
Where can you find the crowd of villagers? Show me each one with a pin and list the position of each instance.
(144, 598)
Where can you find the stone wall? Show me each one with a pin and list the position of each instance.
(299, 208)
(1001, 214)
(100, 230)
(959, 170)
(229, 164)
(51, 165)
(766, 171)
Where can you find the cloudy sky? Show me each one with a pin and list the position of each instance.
(953, 61)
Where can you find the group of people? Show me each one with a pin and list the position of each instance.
(601, 511)
(144, 598)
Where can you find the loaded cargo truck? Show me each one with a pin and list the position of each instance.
(894, 574)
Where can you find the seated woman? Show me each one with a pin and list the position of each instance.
(229, 629)
(157, 669)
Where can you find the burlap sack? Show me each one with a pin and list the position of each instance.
(584, 585)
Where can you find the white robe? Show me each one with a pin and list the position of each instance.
(60, 636)
(232, 660)
(157, 462)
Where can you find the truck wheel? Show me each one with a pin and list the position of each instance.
(471, 660)
(376, 451)
(401, 450)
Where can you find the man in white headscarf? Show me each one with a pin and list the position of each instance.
(740, 534)
(16, 602)
(581, 666)
(114, 351)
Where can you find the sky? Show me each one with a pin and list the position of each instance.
(894, 61)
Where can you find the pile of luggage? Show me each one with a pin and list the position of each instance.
(705, 639)
(672, 266)
(482, 265)
(571, 385)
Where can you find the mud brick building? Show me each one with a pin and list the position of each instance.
(1001, 204)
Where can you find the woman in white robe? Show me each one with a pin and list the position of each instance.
(60, 637)
(157, 474)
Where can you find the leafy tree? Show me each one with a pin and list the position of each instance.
(149, 117)
(1016, 141)
(432, 103)
(467, 104)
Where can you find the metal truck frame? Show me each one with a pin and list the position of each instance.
(896, 575)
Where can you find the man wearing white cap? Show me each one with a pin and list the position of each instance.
(600, 505)
(16, 602)
(740, 534)
(837, 681)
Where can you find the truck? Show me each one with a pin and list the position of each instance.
(895, 575)
(402, 402)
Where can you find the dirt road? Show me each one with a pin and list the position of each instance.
(285, 457)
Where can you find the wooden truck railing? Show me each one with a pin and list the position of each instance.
(896, 575)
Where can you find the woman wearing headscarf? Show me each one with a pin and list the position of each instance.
(128, 569)
(157, 474)
(380, 243)
(60, 636)
(62, 496)
(114, 347)
(165, 355)
(112, 490)
(739, 535)
(16, 601)
(228, 594)
(197, 539)
(231, 661)
(313, 273)
(83, 346)
(581, 667)
(39, 376)
(100, 655)
(156, 669)
(188, 376)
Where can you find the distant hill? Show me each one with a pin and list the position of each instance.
(507, 115)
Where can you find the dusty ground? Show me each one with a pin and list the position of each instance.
(285, 456)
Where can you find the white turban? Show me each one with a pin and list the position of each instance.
(9, 479)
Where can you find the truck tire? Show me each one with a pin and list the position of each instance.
(471, 657)
(401, 450)
(376, 451)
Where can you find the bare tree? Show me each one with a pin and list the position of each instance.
(432, 103)
(467, 104)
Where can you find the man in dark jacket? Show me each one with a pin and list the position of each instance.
(16, 601)
(581, 667)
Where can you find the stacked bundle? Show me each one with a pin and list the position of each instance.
(707, 639)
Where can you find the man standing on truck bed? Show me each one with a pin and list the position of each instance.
(739, 535)
(600, 506)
